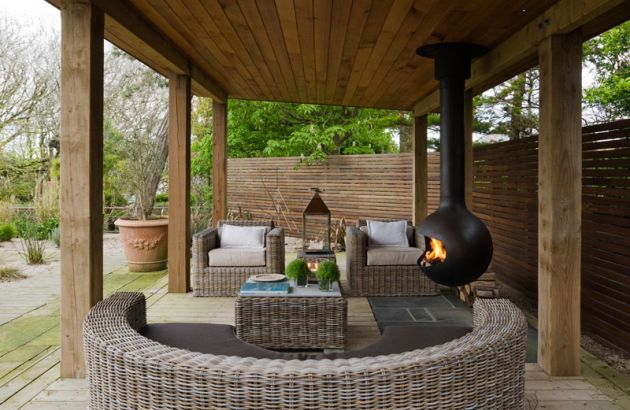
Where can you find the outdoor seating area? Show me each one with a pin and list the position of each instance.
(333, 205)
(484, 368)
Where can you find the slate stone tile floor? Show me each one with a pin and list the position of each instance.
(427, 311)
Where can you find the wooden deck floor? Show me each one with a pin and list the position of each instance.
(29, 352)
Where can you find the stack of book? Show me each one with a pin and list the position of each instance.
(264, 288)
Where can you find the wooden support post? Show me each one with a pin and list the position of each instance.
(81, 139)
(468, 149)
(420, 170)
(560, 204)
(179, 184)
(219, 162)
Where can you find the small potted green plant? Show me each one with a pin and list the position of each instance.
(298, 272)
(327, 273)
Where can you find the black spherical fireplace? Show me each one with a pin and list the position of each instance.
(459, 246)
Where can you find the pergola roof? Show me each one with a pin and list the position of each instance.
(349, 52)
(359, 53)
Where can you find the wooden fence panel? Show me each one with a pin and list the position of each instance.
(357, 186)
(505, 197)
(606, 232)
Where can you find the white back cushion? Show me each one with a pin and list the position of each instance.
(392, 234)
(250, 237)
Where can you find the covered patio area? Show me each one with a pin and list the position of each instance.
(354, 53)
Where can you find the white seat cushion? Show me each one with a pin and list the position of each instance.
(387, 234)
(393, 256)
(236, 257)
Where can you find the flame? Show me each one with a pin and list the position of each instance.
(436, 252)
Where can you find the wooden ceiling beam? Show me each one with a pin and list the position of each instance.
(122, 20)
(519, 52)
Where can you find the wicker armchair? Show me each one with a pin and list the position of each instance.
(484, 369)
(383, 280)
(227, 280)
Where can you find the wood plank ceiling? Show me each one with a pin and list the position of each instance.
(349, 52)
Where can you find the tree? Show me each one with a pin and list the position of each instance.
(610, 55)
(136, 108)
(510, 108)
(269, 129)
(23, 83)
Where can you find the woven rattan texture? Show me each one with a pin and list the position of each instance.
(292, 322)
(483, 370)
(392, 280)
(227, 281)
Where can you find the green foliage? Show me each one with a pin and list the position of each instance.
(7, 232)
(6, 211)
(610, 54)
(18, 177)
(162, 197)
(327, 271)
(510, 108)
(28, 226)
(273, 129)
(55, 236)
(297, 269)
(46, 227)
(33, 249)
(114, 184)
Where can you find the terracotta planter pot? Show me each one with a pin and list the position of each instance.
(145, 243)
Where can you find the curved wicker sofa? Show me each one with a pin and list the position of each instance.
(482, 370)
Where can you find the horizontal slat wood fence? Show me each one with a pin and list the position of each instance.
(505, 197)
(356, 186)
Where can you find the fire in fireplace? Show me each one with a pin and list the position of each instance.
(435, 253)
(459, 246)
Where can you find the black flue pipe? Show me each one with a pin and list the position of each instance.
(467, 240)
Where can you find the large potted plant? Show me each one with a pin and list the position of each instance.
(144, 237)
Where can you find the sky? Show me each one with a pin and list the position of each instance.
(31, 11)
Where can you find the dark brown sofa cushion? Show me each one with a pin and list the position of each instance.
(208, 338)
(221, 340)
(400, 339)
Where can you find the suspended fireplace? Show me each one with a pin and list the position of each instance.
(458, 244)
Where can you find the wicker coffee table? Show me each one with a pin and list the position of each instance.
(305, 318)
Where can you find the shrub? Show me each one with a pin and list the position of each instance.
(6, 211)
(7, 232)
(297, 269)
(46, 227)
(32, 250)
(55, 236)
(8, 274)
(46, 200)
(28, 227)
(327, 271)
(162, 197)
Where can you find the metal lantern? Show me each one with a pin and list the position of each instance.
(316, 225)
